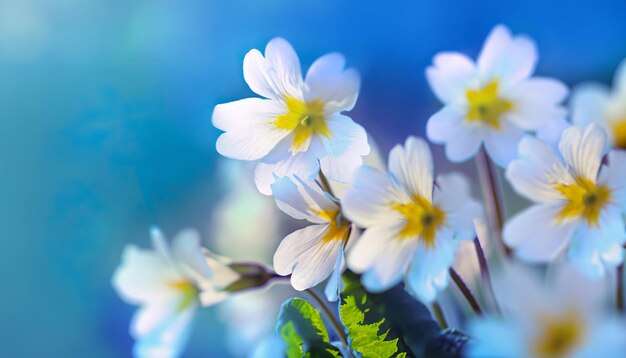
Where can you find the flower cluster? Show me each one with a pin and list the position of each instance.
(403, 225)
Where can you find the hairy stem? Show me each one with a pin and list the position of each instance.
(485, 274)
(466, 292)
(492, 196)
(331, 318)
(441, 319)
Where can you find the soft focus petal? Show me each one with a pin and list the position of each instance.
(188, 253)
(333, 286)
(249, 132)
(300, 199)
(303, 165)
(537, 101)
(328, 81)
(582, 149)
(507, 58)
(428, 274)
(412, 165)
(502, 145)
(276, 75)
(495, 337)
(536, 171)
(588, 103)
(452, 195)
(449, 76)
(619, 82)
(616, 177)
(167, 340)
(367, 202)
(535, 234)
(143, 276)
(344, 148)
(551, 131)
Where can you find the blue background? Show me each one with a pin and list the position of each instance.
(105, 129)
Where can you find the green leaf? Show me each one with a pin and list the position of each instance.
(302, 329)
(366, 338)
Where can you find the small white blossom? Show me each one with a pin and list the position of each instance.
(311, 254)
(297, 127)
(493, 101)
(578, 201)
(413, 224)
(596, 103)
(169, 283)
(563, 316)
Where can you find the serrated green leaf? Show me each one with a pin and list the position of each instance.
(292, 340)
(366, 338)
(301, 327)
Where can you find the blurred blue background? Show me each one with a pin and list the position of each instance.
(105, 111)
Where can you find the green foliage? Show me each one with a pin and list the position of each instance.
(302, 329)
(366, 338)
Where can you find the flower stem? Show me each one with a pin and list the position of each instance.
(485, 274)
(441, 319)
(466, 292)
(492, 195)
(619, 297)
(325, 184)
(331, 318)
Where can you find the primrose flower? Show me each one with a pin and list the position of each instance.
(169, 283)
(298, 126)
(311, 254)
(493, 101)
(595, 103)
(579, 202)
(563, 316)
(413, 225)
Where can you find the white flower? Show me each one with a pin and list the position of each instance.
(579, 202)
(169, 283)
(595, 103)
(413, 225)
(493, 101)
(297, 127)
(562, 317)
(311, 254)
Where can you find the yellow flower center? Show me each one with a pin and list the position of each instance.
(619, 133)
(188, 292)
(422, 219)
(559, 336)
(486, 106)
(338, 225)
(583, 198)
(305, 120)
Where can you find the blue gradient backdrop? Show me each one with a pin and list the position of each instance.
(105, 126)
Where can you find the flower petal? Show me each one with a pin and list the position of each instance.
(188, 254)
(315, 265)
(449, 76)
(276, 75)
(166, 340)
(303, 165)
(452, 195)
(301, 199)
(537, 101)
(428, 274)
(249, 132)
(294, 245)
(412, 166)
(344, 148)
(510, 59)
(536, 235)
(382, 256)
(536, 171)
(502, 145)
(615, 177)
(329, 82)
(583, 149)
(588, 103)
(367, 202)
